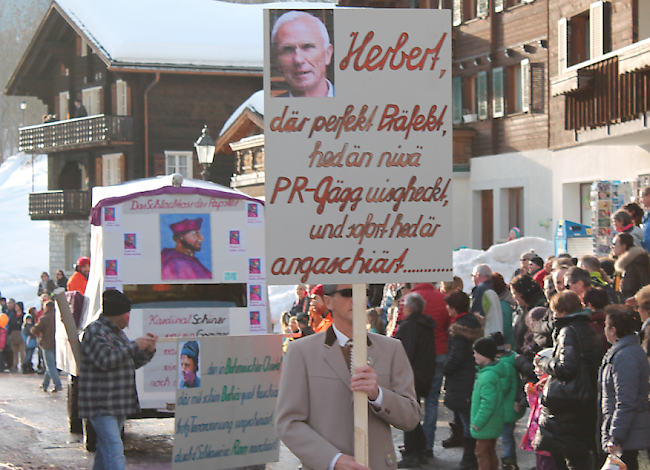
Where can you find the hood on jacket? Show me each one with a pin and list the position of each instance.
(622, 343)
(636, 253)
(468, 326)
(506, 295)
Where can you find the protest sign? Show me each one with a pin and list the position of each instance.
(225, 407)
(358, 179)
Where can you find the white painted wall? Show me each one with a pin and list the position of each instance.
(460, 203)
(588, 164)
(530, 170)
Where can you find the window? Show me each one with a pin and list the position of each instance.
(465, 10)
(481, 95)
(72, 250)
(516, 208)
(513, 96)
(473, 102)
(64, 106)
(513, 99)
(92, 100)
(584, 36)
(112, 169)
(498, 105)
(499, 5)
(457, 99)
(178, 162)
(469, 105)
(122, 98)
(84, 48)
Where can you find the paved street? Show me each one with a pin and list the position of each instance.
(34, 435)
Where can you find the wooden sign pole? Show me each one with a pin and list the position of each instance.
(360, 358)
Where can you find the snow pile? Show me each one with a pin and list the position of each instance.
(25, 243)
(503, 259)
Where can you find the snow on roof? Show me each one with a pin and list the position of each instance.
(110, 195)
(185, 33)
(255, 103)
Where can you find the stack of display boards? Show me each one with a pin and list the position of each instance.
(606, 198)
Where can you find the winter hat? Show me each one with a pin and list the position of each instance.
(517, 232)
(318, 290)
(83, 261)
(538, 261)
(529, 255)
(191, 349)
(486, 347)
(538, 313)
(115, 303)
(497, 336)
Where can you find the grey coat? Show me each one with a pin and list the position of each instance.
(623, 391)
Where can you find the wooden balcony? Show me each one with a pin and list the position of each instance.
(59, 205)
(612, 89)
(90, 131)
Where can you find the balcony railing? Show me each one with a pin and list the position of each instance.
(59, 205)
(76, 133)
(611, 89)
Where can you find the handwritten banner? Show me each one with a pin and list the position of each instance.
(358, 182)
(227, 421)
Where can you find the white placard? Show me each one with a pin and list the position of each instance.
(236, 241)
(358, 184)
(132, 244)
(256, 294)
(256, 268)
(113, 270)
(254, 214)
(227, 422)
(112, 218)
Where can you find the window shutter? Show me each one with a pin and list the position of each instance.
(498, 6)
(101, 100)
(78, 45)
(562, 45)
(596, 48)
(482, 95)
(525, 85)
(128, 100)
(458, 12)
(457, 100)
(159, 164)
(122, 169)
(537, 83)
(57, 106)
(114, 98)
(497, 93)
(98, 172)
(482, 8)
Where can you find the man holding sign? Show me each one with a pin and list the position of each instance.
(314, 412)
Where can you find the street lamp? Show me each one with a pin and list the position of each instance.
(205, 148)
(23, 106)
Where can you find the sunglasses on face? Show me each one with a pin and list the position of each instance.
(343, 292)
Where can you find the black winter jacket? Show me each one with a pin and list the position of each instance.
(558, 433)
(416, 332)
(633, 268)
(460, 368)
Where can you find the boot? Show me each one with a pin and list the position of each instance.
(456, 437)
(469, 461)
(509, 464)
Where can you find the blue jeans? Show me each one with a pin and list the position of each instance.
(508, 441)
(50, 372)
(431, 402)
(110, 450)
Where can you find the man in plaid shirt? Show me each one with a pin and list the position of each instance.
(107, 391)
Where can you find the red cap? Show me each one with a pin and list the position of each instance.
(83, 261)
(318, 290)
(186, 225)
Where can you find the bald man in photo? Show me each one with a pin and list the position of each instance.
(303, 51)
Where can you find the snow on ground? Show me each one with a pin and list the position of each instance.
(25, 243)
(503, 258)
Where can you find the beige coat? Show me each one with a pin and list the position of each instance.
(314, 415)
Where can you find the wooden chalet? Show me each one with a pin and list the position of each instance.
(148, 80)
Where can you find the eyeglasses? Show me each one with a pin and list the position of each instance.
(343, 292)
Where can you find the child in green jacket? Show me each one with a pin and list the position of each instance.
(487, 413)
(512, 386)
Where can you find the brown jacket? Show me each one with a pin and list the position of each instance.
(314, 414)
(45, 328)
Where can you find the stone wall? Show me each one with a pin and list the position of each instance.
(59, 229)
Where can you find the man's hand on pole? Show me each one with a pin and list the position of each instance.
(365, 380)
(347, 462)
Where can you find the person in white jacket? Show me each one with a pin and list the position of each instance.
(485, 301)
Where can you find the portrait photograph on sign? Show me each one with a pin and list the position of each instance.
(132, 244)
(302, 49)
(186, 251)
(189, 375)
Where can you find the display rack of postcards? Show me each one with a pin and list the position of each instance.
(601, 203)
(606, 198)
